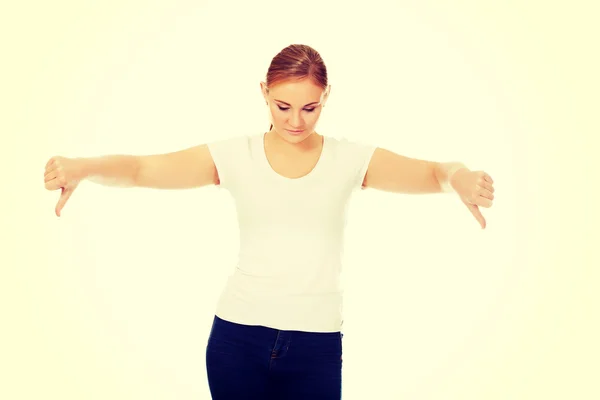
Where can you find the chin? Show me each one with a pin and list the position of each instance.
(295, 138)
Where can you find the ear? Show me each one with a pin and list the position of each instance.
(326, 95)
(264, 90)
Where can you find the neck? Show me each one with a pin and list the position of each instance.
(311, 142)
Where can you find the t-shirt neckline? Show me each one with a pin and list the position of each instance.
(315, 170)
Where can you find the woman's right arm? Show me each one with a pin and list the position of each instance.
(189, 168)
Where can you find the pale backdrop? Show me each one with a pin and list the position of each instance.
(114, 300)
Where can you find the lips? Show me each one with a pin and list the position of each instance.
(296, 132)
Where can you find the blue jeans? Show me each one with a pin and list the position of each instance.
(259, 363)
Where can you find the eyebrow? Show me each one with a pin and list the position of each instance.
(288, 104)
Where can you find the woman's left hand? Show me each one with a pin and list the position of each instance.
(476, 189)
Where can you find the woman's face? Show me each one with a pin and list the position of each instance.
(295, 106)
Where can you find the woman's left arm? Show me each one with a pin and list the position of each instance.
(395, 173)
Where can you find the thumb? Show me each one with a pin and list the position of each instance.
(477, 214)
(64, 196)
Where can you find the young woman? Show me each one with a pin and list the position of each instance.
(276, 333)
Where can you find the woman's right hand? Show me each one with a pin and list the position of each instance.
(65, 174)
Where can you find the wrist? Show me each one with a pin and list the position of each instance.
(84, 167)
(454, 174)
(449, 172)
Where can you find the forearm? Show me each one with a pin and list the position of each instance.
(444, 173)
(111, 170)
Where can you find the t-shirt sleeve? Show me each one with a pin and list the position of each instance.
(359, 157)
(228, 155)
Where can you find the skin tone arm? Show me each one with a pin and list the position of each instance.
(395, 173)
(189, 168)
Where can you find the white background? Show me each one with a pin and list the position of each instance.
(114, 300)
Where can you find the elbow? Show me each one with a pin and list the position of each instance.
(137, 171)
(439, 178)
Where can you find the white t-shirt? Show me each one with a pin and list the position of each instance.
(291, 234)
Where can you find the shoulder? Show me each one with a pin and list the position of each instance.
(350, 149)
(230, 156)
(236, 146)
(351, 159)
(232, 142)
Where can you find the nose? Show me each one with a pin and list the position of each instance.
(295, 121)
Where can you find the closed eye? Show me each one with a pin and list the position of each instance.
(287, 108)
